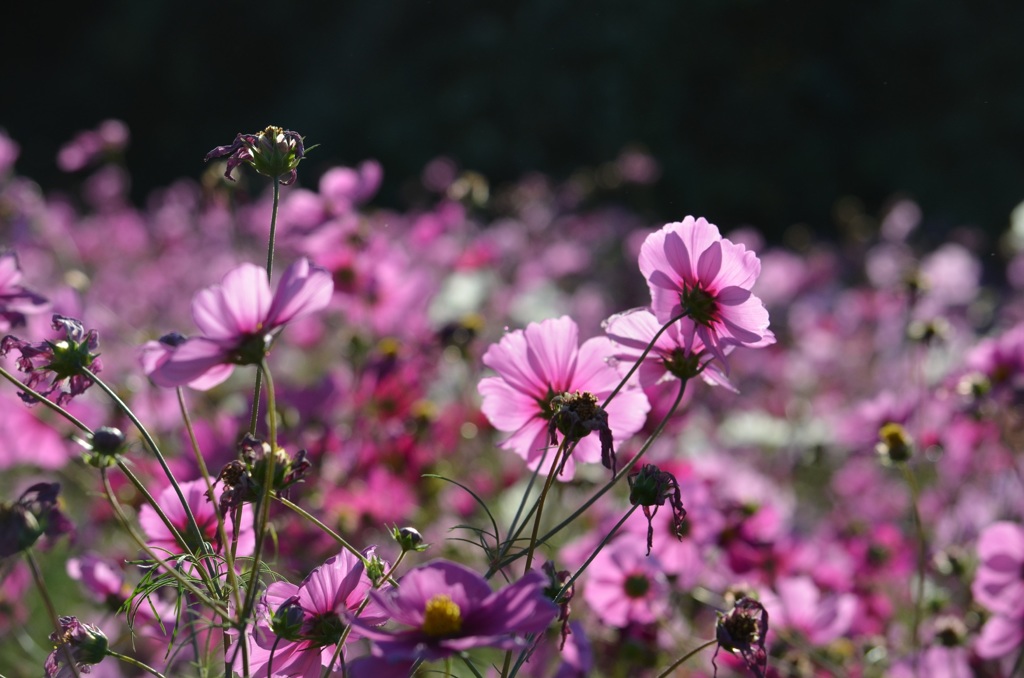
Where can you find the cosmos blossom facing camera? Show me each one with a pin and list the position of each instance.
(693, 271)
(544, 361)
(239, 319)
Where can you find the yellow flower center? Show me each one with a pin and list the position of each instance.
(442, 617)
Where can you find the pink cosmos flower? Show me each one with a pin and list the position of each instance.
(999, 582)
(161, 539)
(300, 626)
(677, 354)
(15, 301)
(239, 319)
(543, 361)
(690, 268)
(450, 609)
(624, 586)
(797, 604)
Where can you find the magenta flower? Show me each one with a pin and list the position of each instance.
(300, 626)
(450, 609)
(999, 586)
(692, 270)
(239, 319)
(199, 504)
(544, 361)
(15, 301)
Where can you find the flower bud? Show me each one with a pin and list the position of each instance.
(83, 644)
(409, 538)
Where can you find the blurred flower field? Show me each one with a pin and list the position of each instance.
(452, 467)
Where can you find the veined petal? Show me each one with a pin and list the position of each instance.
(197, 361)
(551, 350)
(236, 307)
(303, 289)
(507, 408)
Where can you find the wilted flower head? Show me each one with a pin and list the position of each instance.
(243, 478)
(34, 514)
(650, 486)
(15, 301)
(575, 415)
(274, 152)
(65, 362)
(743, 630)
(83, 644)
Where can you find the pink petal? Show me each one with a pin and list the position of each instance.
(198, 361)
(303, 289)
(236, 307)
(552, 348)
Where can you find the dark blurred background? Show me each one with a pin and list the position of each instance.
(761, 112)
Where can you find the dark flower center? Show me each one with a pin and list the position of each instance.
(251, 350)
(699, 304)
(325, 629)
(637, 585)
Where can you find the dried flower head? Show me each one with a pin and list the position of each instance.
(743, 630)
(36, 513)
(243, 478)
(66, 362)
(575, 415)
(274, 152)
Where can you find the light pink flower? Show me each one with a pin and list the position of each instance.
(677, 353)
(797, 604)
(239, 319)
(625, 586)
(690, 267)
(538, 363)
(999, 581)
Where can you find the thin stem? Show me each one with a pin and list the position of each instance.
(255, 412)
(555, 464)
(922, 552)
(193, 527)
(45, 401)
(136, 663)
(170, 569)
(222, 535)
(326, 530)
(590, 559)
(262, 507)
(611, 483)
(679, 662)
(37, 575)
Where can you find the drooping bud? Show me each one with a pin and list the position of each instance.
(36, 513)
(651, 487)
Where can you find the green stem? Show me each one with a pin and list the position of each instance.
(326, 530)
(37, 575)
(922, 554)
(590, 559)
(255, 412)
(563, 450)
(45, 401)
(170, 569)
(611, 483)
(679, 662)
(262, 508)
(193, 527)
(136, 663)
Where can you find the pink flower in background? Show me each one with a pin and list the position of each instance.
(798, 605)
(15, 301)
(999, 581)
(535, 365)
(450, 609)
(624, 586)
(690, 268)
(163, 540)
(300, 626)
(239, 319)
